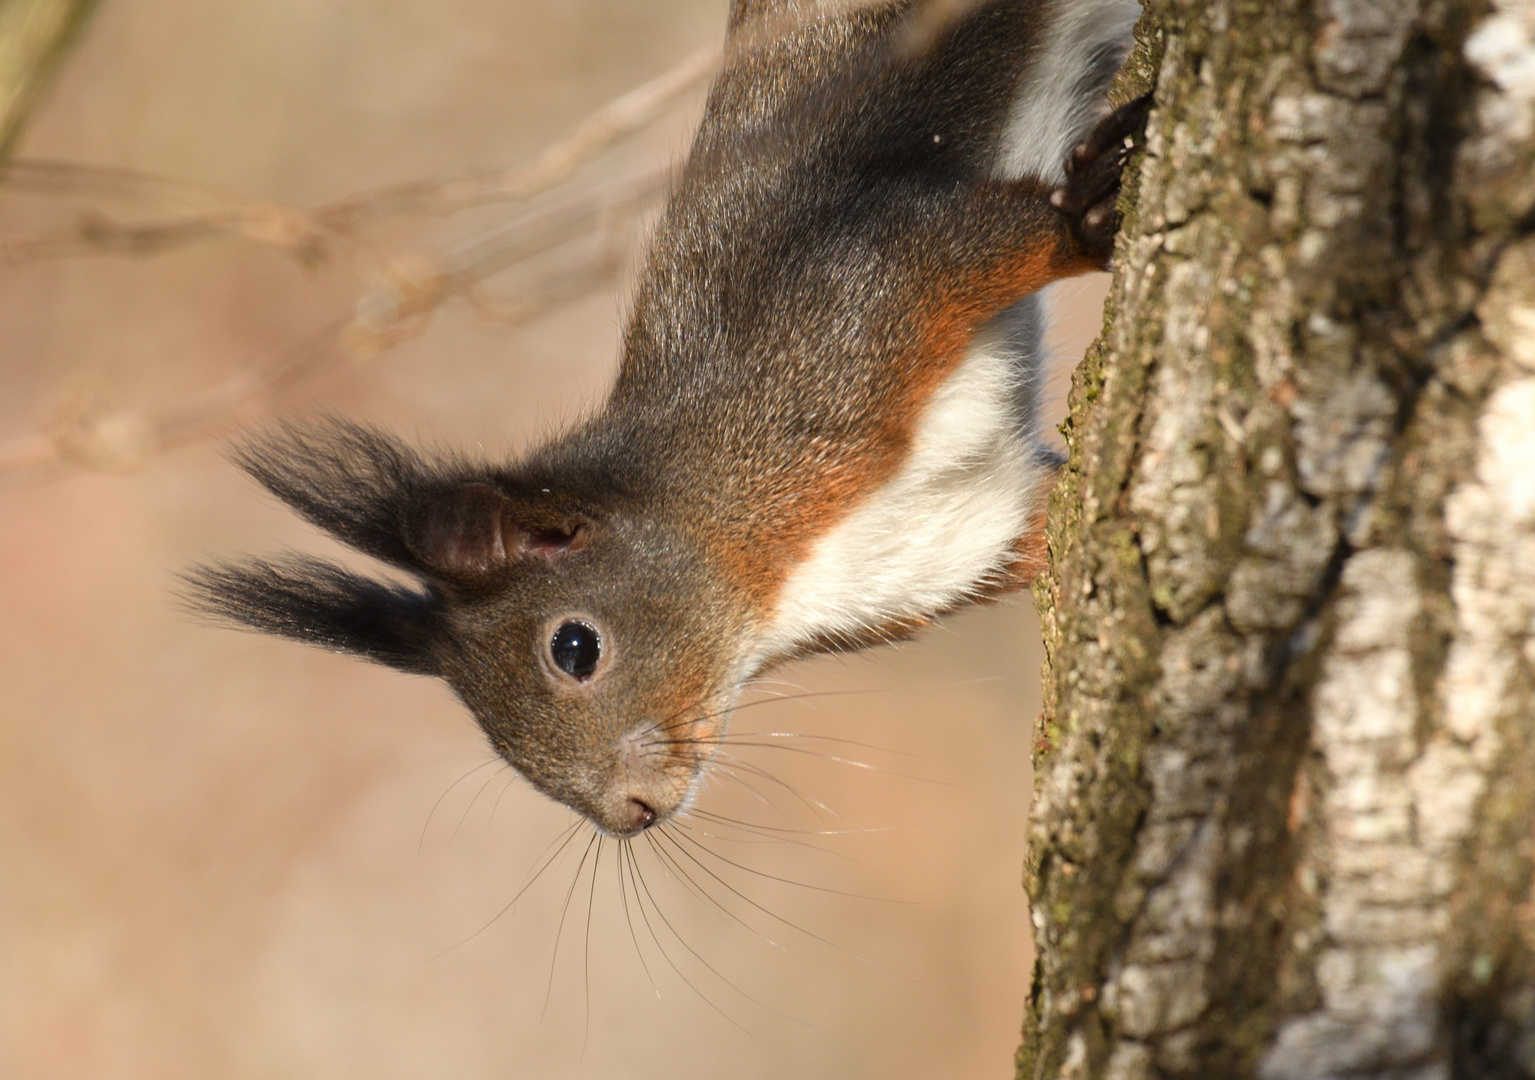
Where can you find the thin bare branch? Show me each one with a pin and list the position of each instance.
(35, 36)
(619, 118)
(329, 233)
(405, 289)
(399, 309)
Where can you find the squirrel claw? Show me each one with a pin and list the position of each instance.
(1093, 170)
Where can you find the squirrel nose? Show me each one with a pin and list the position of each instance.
(640, 815)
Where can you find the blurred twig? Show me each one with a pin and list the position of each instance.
(101, 439)
(404, 289)
(618, 118)
(212, 213)
(35, 36)
(328, 233)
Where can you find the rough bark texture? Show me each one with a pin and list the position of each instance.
(35, 35)
(1285, 807)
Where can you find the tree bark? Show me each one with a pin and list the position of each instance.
(1285, 802)
(35, 36)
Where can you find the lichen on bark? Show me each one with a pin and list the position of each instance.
(1283, 803)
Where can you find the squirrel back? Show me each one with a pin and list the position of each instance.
(822, 432)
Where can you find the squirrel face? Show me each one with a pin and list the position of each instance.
(603, 674)
(592, 645)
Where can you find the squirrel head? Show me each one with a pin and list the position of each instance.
(594, 648)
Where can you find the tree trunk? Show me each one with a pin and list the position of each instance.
(1285, 808)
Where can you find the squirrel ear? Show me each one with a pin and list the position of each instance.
(473, 531)
(464, 532)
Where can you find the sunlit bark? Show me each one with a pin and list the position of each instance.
(1285, 805)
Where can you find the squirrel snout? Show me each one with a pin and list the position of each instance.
(641, 816)
(630, 814)
(646, 787)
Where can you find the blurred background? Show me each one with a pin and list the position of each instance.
(227, 856)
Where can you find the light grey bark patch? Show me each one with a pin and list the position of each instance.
(1507, 311)
(1177, 463)
(1148, 999)
(1358, 40)
(1130, 1061)
(1499, 153)
(1342, 434)
(1383, 914)
(1290, 544)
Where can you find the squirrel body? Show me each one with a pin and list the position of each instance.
(822, 433)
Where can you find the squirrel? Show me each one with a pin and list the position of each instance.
(823, 431)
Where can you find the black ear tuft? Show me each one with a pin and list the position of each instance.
(354, 482)
(319, 603)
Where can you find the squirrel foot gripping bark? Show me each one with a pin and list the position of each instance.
(822, 433)
(1087, 198)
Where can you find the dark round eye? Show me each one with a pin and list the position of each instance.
(575, 648)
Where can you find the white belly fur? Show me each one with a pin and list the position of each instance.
(940, 529)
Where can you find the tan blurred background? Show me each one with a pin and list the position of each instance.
(222, 856)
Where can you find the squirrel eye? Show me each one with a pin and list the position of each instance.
(575, 649)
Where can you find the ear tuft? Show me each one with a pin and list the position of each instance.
(429, 517)
(319, 603)
(354, 482)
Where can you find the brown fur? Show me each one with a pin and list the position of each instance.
(821, 269)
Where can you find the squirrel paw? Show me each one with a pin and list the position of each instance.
(1093, 169)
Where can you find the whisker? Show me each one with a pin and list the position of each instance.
(634, 863)
(814, 804)
(759, 907)
(560, 930)
(586, 953)
(686, 882)
(835, 758)
(636, 879)
(678, 869)
(508, 787)
(763, 838)
(758, 827)
(671, 723)
(710, 767)
(569, 835)
(421, 844)
(822, 738)
(759, 683)
(787, 881)
(681, 719)
(623, 894)
(470, 808)
(741, 839)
